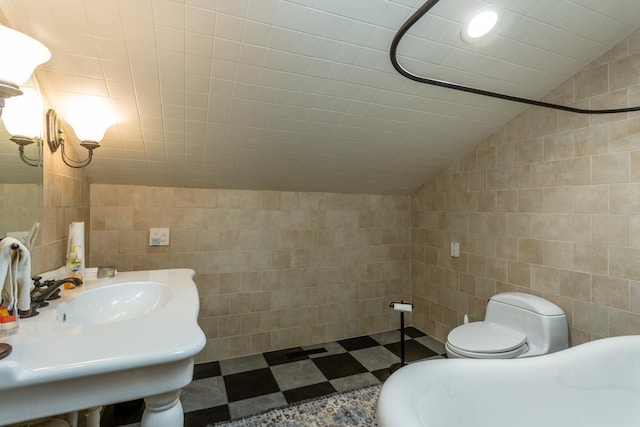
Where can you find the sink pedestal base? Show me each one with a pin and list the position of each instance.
(163, 410)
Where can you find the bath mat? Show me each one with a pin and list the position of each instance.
(350, 408)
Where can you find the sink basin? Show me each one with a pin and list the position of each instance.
(111, 340)
(114, 303)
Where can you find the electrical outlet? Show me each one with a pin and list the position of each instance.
(159, 237)
(455, 249)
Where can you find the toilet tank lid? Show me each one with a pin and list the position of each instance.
(529, 302)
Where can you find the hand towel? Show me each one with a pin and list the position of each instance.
(5, 271)
(15, 273)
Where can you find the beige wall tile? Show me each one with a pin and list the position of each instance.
(590, 259)
(574, 171)
(530, 251)
(634, 231)
(519, 273)
(623, 263)
(610, 168)
(544, 174)
(624, 198)
(623, 323)
(575, 285)
(624, 72)
(634, 297)
(531, 201)
(288, 266)
(623, 135)
(591, 199)
(610, 230)
(558, 146)
(592, 81)
(544, 279)
(591, 140)
(611, 292)
(559, 200)
(634, 165)
(590, 318)
(558, 254)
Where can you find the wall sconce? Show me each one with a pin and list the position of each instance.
(89, 119)
(20, 55)
(23, 120)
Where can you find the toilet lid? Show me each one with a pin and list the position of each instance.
(486, 337)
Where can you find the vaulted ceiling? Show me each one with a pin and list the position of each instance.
(300, 94)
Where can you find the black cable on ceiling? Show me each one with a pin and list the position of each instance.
(449, 85)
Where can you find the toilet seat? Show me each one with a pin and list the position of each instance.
(486, 340)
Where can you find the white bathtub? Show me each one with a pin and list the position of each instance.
(592, 385)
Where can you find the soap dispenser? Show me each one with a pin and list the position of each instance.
(74, 264)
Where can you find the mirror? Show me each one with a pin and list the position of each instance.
(20, 187)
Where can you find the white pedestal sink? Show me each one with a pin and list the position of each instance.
(109, 341)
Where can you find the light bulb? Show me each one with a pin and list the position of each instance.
(480, 25)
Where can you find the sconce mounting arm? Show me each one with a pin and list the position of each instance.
(55, 139)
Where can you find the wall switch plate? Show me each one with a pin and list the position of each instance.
(159, 237)
(455, 249)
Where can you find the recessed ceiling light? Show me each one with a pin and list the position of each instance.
(480, 25)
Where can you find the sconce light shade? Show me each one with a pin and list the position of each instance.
(22, 115)
(90, 118)
(20, 55)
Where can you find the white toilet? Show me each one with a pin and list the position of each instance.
(516, 325)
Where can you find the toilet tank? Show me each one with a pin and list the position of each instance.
(543, 322)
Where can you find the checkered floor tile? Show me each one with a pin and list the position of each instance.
(247, 385)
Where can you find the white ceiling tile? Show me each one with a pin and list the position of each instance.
(140, 33)
(197, 66)
(106, 27)
(170, 38)
(236, 7)
(172, 80)
(288, 15)
(251, 55)
(199, 44)
(167, 13)
(139, 10)
(101, 7)
(200, 20)
(229, 27)
(225, 50)
(173, 96)
(171, 60)
(120, 89)
(314, 21)
(114, 51)
(198, 84)
(305, 44)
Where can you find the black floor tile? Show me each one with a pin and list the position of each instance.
(308, 392)
(248, 384)
(208, 416)
(413, 332)
(206, 370)
(339, 365)
(382, 374)
(413, 350)
(358, 343)
(285, 356)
